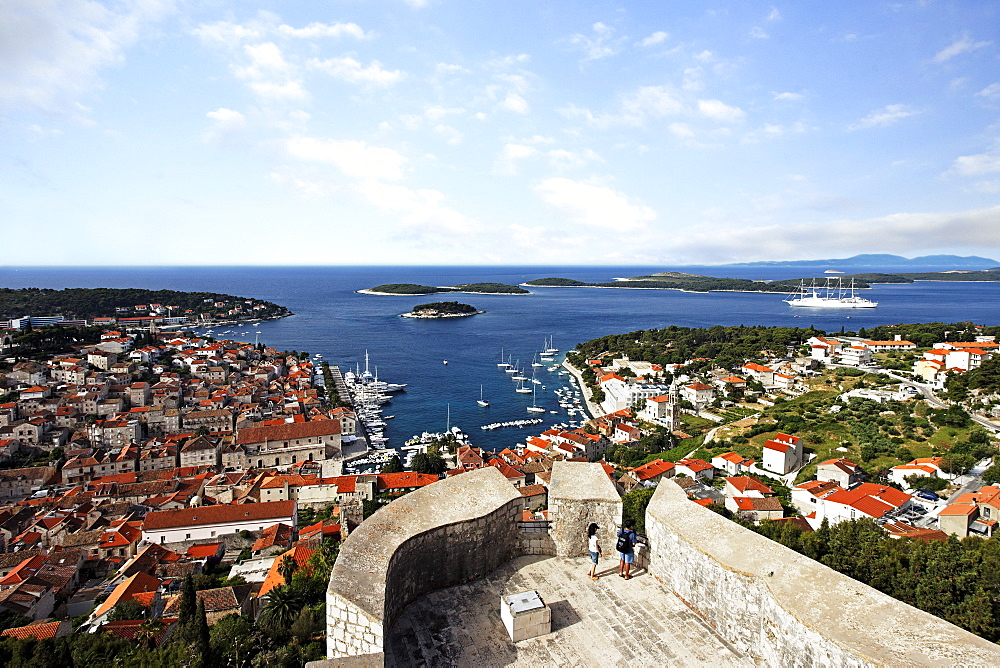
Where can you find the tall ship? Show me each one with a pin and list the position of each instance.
(831, 294)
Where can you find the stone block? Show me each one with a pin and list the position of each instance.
(525, 615)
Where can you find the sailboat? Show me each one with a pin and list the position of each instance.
(502, 364)
(510, 367)
(533, 408)
(535, 362)
(831, 295)
(522, 389)
(482, 402)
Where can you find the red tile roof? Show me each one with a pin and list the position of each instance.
(221, 514)
(288, 431)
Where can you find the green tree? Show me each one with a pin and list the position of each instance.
(282, 607)
(992, 475)
(393, 465)
(288, 567)
(234, 641)
(189, 602)
(306, 625)
(127, 610)
(634, 507)
(201, 634)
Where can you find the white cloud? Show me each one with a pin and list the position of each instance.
(315, 30)
(53, 52)
(787, 96)
(991, 92)
(449, 68)
(658, 37)
(594, 205)
(957, 48)
(228, 33)
(758, 33)
(350, 70)
(979, 164)
(450, 134)
(601, 45)
(880, 118)
(516, 103)
(682, 130)
(651, 102)
(774, 14)
(637, 107)
(563, 159)
(720, 111)
(420, 208)
(417, 4)
(355, 159)
(291, 91)
(226, 120)
(901, 232)
(265, 60)
(510, 155)
(437, 112)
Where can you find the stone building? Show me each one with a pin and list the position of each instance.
(291, 443)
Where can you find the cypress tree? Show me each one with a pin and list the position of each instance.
(188, 605)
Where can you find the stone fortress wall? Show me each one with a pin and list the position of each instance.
(578, 495)
(775, 606)
(781, 608)
(451, 532)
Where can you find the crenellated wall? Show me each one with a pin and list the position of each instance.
(783, 609)
(581, 493)
(451, 532)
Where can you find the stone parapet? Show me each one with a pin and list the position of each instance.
(783, 609)
(448, 533)
(581, 493)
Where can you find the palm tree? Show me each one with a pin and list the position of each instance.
(288, 567)
(283, 606)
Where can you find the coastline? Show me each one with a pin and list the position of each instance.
(703, 292)
(366, 291)
(438, 316)
(592, 408)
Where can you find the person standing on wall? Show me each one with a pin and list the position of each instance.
(594, 547)
(626, 549)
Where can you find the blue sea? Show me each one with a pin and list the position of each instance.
(333, 320)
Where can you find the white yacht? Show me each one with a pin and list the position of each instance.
(831, 294)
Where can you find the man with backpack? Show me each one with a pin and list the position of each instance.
(626, 549)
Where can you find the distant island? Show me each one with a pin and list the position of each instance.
(442, 310)
(130, 303)
(675, 280)
(416, 289)
(883, 260)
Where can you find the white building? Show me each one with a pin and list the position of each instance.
(183, 524)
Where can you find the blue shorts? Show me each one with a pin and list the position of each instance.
(628, 558)
(593, 557)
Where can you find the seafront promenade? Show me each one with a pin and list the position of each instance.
(593, 409)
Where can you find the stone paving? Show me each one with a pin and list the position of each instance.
(610, 622)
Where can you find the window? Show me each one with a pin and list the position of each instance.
(163, 539)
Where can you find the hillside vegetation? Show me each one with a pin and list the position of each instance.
(87, 303)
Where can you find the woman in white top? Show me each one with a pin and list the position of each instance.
(594, 548)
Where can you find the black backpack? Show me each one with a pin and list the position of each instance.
(624, 544)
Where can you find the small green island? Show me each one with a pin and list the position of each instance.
(442, 310)
(417, 289)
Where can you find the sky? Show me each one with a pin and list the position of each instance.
(464, 132)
